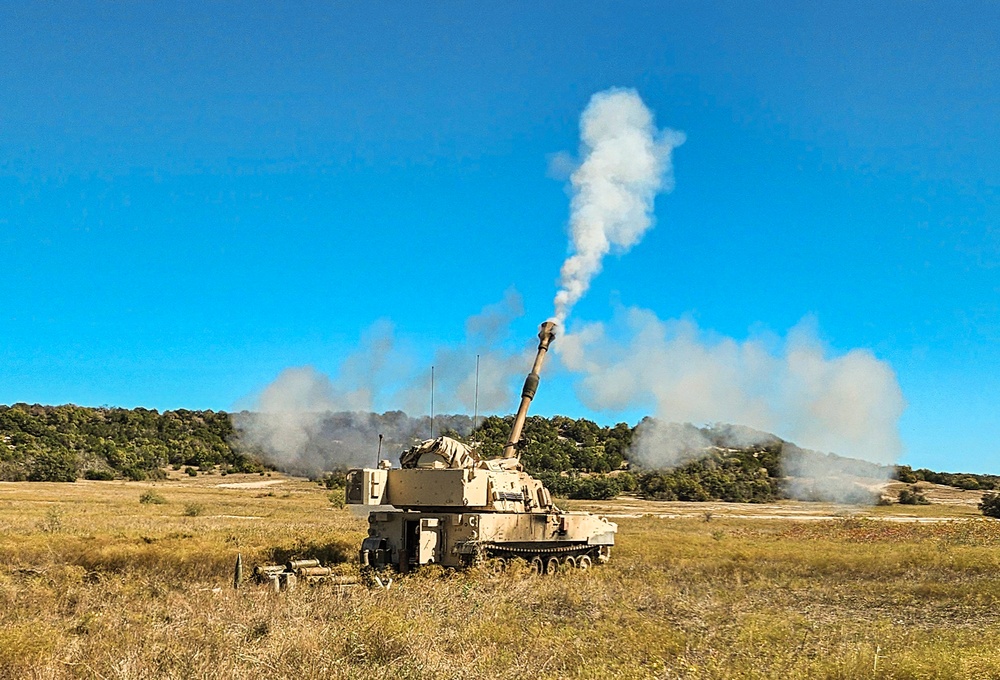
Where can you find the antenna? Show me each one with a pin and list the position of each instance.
(475, 418)
(378, 456)
(432, 402)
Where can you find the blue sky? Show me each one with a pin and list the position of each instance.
(194, 196)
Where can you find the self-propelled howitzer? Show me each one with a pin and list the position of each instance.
(446, 505)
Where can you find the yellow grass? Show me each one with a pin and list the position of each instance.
(95, 584)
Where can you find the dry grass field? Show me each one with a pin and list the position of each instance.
(96, 584)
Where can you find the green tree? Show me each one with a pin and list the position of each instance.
(54, 466)
(990, 504)
(911, 496)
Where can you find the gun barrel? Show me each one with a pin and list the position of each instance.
(546, 334)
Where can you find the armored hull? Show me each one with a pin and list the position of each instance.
(407, 539)
(446, 505)
(468, 529)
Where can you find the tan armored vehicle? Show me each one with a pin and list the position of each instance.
(446, 505)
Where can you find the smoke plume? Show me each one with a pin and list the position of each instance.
(290, 422)
(306, 421)
(794, 387)
(289, 417)
(626, 162)
(502, 359)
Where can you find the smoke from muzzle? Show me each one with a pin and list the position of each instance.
(626, 161)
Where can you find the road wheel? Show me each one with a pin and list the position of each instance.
(552, 565)
(584, 562)
(570, 562)
(536, 565)
(499, 565)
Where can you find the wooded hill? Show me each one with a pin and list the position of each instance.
(64, 443)
(575, 458)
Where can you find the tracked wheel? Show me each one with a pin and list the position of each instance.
(552, 565)
(536, 565)
(570, 562)
(584, 562)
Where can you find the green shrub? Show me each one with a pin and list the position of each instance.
(333, 480)
(99, 475)
(586, 487)
(190, 471)
(53, 521)
(990, 504)
(193, 509)
(54, 466)
(11, 472)
(135, 474)
(966, 482)
(911, 496)
(152, 498)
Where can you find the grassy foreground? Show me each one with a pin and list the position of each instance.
(95, 584)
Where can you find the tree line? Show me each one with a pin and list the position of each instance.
(959, 480)
(65, 443)
(574, 457)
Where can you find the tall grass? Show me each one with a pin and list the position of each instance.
(128, 590)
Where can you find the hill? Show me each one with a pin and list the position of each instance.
(576, 458)
(64, 443)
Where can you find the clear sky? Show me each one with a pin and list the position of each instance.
(194, 196)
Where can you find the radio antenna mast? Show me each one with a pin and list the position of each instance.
(475, 418)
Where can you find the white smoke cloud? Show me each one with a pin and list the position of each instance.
(288, 418)
(849, 404)
(291, 421)
(502, 359)
(626, 162)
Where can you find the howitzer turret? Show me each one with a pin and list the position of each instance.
(447, 505)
